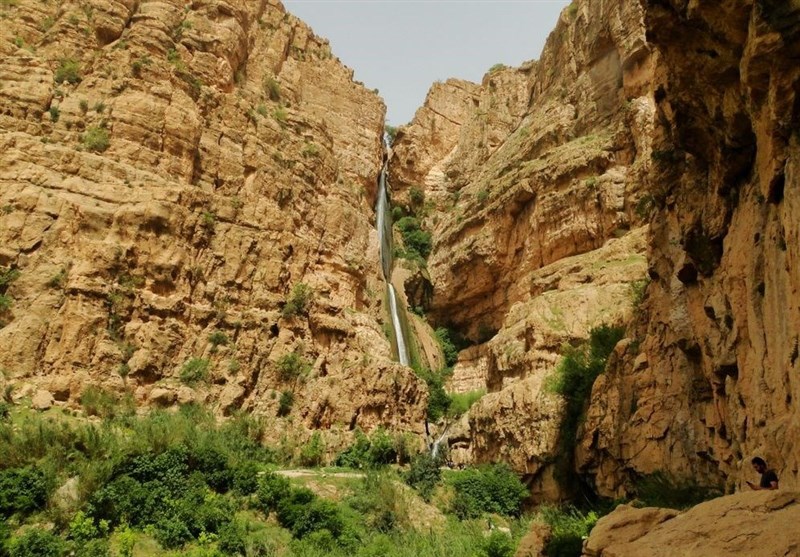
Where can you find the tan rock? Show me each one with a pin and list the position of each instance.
(42, 400)
(162, 397)
(755, 523)
(714, 380)
(534, 542)
(242, 159)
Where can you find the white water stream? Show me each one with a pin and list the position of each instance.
(384, 219)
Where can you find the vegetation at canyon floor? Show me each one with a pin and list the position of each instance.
(180, 483)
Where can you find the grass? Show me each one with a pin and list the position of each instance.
(68, 71)
(96, 139)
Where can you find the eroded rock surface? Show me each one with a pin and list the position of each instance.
(167, 176)
(756, 523)
(714, 381)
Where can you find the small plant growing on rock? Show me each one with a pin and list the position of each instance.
(280, 115)
(58, 280)
(285, 403)
(208, 220)
(68, 71)
(299, 300)
(272, 88)
(55, 113)
(96, 139)
(194, 371)
(84, 105)
(217, 338)
(292, 366)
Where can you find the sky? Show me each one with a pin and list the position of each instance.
(401, 47)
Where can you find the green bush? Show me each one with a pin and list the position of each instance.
(498, 544)
(68, 71)
(488, 489)
(303, 513)
(272, 488)
(299, 300)
(460, 403)
(450, 342)
(218, 338)
(292, 366)
(232, 539)
(22, 490)
(574, 377)
(438, 399)
(313, 452)
(568, 528)
(368, 452)
(424, 474)
(194, 371)
(37, 543)
(55, 113)
(285, 403)
(272, 88)
(96, 139)
(93, 548)
(417, 242)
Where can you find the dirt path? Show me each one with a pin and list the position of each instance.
(301, 473)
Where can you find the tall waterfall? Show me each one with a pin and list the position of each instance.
(384, 218)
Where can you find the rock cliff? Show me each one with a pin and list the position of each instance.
(673, 114)
(714, 381)
(187, 195)
(531, 184)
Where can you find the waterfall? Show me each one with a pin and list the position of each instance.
(384, 219)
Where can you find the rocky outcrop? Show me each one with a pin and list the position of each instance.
(169, 175)
(543, 167)
(714, 380)
(531, 184)
(745, 524)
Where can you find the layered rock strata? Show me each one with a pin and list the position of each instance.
(531, 184)
(169, 173)
(713, 380)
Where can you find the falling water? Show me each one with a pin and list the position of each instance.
(385, 239)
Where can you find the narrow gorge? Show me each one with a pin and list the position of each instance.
(578, 277)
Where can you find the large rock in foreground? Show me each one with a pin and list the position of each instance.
(758, 523)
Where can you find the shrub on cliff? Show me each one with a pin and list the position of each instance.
(417, 242)
(299, 300)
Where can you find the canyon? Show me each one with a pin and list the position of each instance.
(188, 214)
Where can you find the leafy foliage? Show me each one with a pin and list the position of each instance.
(68, 71)
(489, 489)
(22, 490)
(292, 366)
(299, 300)
(569, 527)
(424, 474)
(96, 139)
(37, 543)
(369, 452)
(417, 242)
(194, 371)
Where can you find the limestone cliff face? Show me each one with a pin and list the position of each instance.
(542, 167)
(715, 379)
(169, 173)
(532, 181)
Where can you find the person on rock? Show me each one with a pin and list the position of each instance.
(769, 479)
